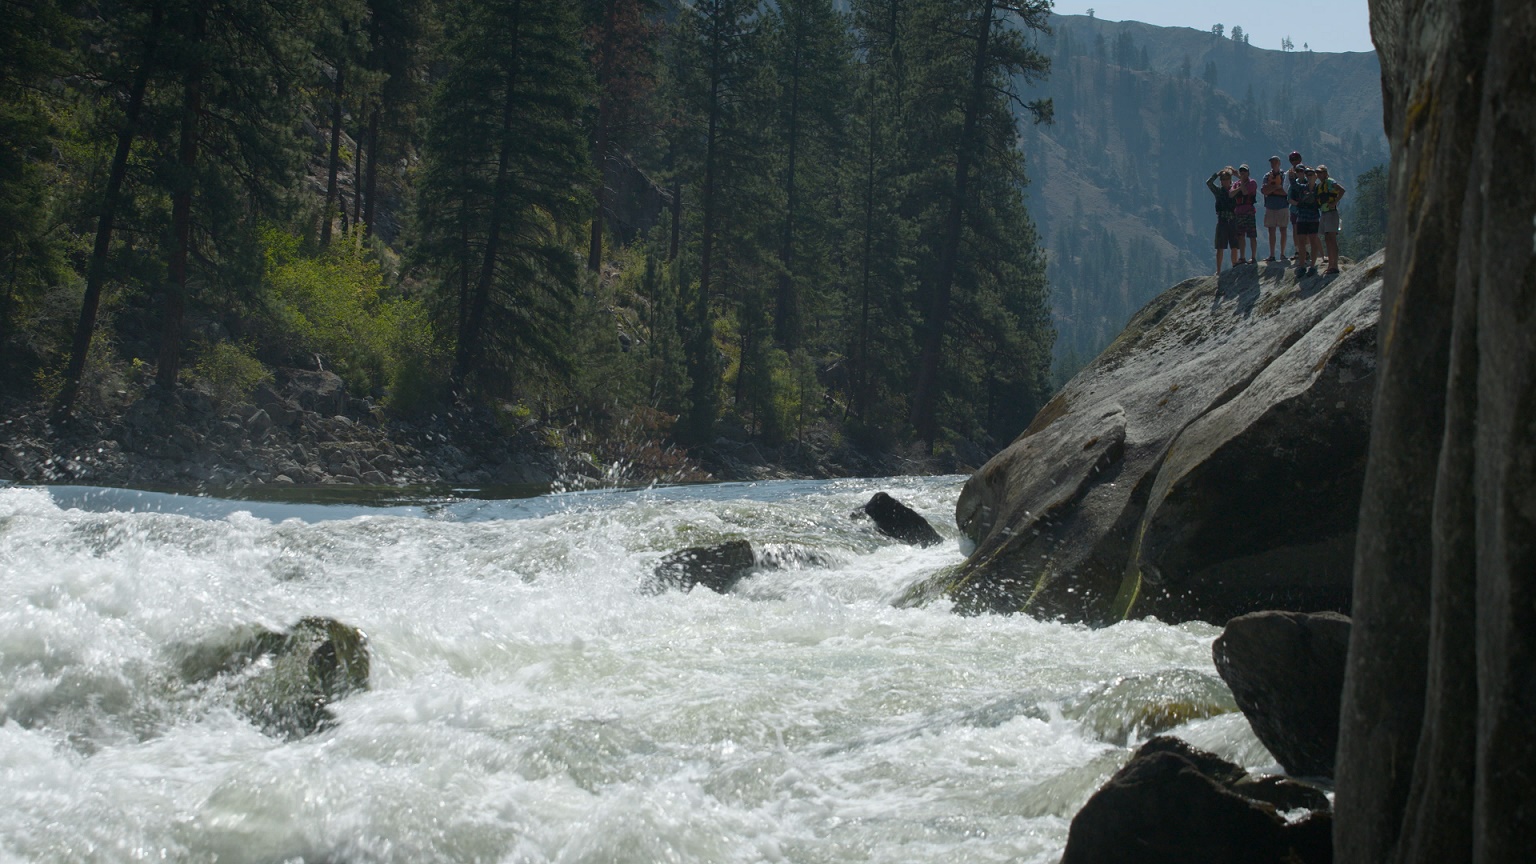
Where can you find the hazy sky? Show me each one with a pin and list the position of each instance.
(1327, 25)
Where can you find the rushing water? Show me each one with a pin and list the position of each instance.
(528, 704)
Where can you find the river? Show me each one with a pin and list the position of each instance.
(528, 704)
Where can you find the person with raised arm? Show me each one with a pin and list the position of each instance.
(1220, 185)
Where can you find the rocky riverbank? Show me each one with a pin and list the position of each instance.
(304, 429)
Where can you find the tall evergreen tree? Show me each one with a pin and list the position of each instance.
(622, 38)
(809, 49)
(507, 177)
(229, 67)
(30, 63)
(398, 37)
(717, 44)
(339, 48)
(973, 120)
(136, 28)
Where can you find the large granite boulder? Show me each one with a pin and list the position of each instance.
(1172, 803)
(1286, 671)
(322, 392)
(1255, 502)
(285, 681)
(1104, 509)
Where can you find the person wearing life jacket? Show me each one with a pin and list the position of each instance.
(1329, 191)
(1245, 195)
(1220, 185)
(1277, 207)
(1303, 195)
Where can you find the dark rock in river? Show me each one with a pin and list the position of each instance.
(1286, 671)
(1207, 464)
(285, 681)
(895, 519)
(715, 567)
(1172, 803)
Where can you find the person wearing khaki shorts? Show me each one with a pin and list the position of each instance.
(1329, 191)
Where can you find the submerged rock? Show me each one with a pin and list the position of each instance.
(1286, 671)
(715, 567)
(1207, 464)
(1137, 707)
(720, 567)
(286, 681)
(1172, 803)
(895, 519)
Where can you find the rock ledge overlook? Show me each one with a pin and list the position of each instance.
(1209, 463)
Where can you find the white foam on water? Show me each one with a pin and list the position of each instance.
(528, 704)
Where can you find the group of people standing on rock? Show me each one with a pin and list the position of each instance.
(1302, 202)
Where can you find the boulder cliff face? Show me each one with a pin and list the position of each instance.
(1436, 754)
(1207, 464)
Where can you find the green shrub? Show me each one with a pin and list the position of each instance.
(335, 304)
(230, 370)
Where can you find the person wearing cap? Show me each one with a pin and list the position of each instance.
(1220, 185)
(1303, 197)
(1277, 207)
(1329, 191)
(1245, 194)
(1291, 177)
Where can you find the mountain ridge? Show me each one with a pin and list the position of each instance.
(1143, 115)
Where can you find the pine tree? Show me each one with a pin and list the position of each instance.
(136, 27)
(507, 178)
(718, 44)
(340, 48)
(398, 34)
(807, 42)
(29, 62)
(621, 35)
(230, 68)
(1365, 228)
(996, 55)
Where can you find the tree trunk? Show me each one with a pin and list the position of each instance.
(1435, 753)
(924, 418)
(357, 183)
(702, 369)
(181, 224)
(328, 215)
(600, 196)
(370, 186)
(861, 379)
(600, 139)
(677, 219)
(96, 274)
(5, 305)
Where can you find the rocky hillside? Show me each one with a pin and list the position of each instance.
(1144, 114)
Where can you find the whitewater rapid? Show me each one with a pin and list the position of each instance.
(528, 704)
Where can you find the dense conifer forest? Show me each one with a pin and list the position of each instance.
(684, 216)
